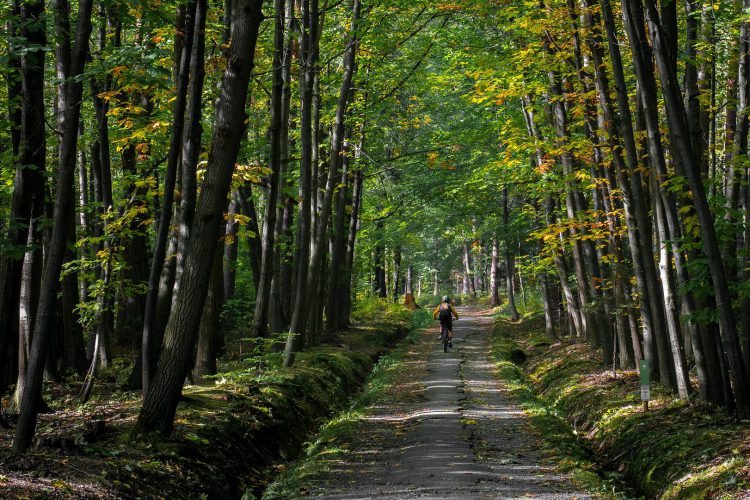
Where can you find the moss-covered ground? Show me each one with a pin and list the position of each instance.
(231, 436)
(593, 420)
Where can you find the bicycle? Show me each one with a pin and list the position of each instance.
(445, 338)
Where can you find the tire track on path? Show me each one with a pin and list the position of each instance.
(447, 430)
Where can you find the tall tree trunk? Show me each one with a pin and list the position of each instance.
(152, 334)
(259, 327)
(648, 101)
(626, 170)
(350, 246)
(509, 275)
(494, 265)
(29, 300)
(72, 332)
(278, 308)
(316, 260)
(307, 54)
(593, 257)
(210, 329)
(105, 319)
(29, 147)
(509, 263)
(45, 315)
(670, 299)
(337, 272)
(191, 140)
(572, 196)
(734, 175)
(160, 402)
(679, 135)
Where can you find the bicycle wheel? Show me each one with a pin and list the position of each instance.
(444, 333)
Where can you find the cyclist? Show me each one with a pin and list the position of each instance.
(445, 312)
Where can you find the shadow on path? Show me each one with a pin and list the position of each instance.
(446, 431)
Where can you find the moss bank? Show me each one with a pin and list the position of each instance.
(231, 438)
(675, 450)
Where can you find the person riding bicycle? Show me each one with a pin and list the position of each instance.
(445, 312)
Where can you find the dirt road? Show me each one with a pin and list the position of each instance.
(446, 431)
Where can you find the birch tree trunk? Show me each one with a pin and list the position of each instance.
(494, 263)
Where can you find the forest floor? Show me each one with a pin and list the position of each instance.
(445, 429)
(230, 435)
(678, 449)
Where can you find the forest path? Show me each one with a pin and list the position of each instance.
(447, 430)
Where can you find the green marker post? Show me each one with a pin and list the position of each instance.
(645, 373)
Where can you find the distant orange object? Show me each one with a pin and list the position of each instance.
(410, 302)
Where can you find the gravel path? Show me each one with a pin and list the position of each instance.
(446, 431)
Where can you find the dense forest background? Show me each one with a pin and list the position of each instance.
(171, 171)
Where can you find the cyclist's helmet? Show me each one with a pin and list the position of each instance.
(446, 298)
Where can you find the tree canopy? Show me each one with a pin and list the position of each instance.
(171, 171)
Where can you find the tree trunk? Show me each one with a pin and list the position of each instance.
(396, 273)
(679, 134)
(283, 291)
(468, 271)
(254, 245)
(44, 321)
(509, 263)
(509, 273)
(318, 250)
(648, 102)
(191, 140)
(353, 228)
(734, 175)
(337, 272)
(572, 197)
(151, 340)
(380, 285)
(230, 251)
(278, 306)
(494, 263)
(210, 329)
(29, 300)
(307, 56)
(160, 402)
(28, 137)
(621, 129)
(259, 327)
(105, 318)
(670, 299)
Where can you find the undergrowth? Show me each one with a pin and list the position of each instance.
(230, 437)
(677, 449)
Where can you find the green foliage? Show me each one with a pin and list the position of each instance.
(382, 309)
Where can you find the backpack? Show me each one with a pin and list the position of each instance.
(445, 312)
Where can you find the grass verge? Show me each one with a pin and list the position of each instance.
(676, 450)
